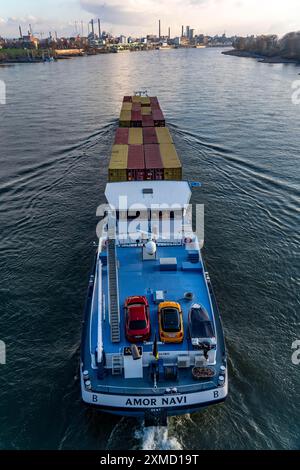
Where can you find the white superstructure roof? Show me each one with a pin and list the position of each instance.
(148, 194)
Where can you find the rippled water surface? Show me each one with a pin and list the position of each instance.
(237, 131)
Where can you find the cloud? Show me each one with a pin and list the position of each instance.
(22, 20)
(114, 12)
(10, 26)
(135, 12)
(139, 17)
(210, 16)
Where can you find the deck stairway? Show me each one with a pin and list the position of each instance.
(117, 364)
(114, 309)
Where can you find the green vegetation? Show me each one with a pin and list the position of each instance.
(19, 54)
(287, 47)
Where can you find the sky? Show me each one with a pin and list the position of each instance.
(140, 17)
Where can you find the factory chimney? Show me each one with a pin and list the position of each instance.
(99, 28)
(182, 31)
(20, 29)
(93, 31)
(159, 29)
(169, 32)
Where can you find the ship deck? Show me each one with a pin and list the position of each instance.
(138, 277)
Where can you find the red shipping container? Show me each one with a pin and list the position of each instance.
(154, 102)
(136, 119)
(122, 136)
(158, 115)
(136, 159)
(136, 116)
(149, 135)
(136, 107)
(152, 156)
(153, 162)
(136, 163)
(127, 99)
(148, 121)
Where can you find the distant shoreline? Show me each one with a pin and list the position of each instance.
(261, 58)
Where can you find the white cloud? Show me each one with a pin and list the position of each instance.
(40, 25)
(210, 16)
(141, 16)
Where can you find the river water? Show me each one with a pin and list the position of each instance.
(237, 131)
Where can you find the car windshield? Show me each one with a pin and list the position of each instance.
(136, 325)
(171, 320)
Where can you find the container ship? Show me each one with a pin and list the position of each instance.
(152, 340)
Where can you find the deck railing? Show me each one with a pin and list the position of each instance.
(199, 387)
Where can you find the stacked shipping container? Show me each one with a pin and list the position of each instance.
(153, 162)
(141, 111)
(143, 147)
(118, 163)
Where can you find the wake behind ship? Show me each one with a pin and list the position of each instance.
(152, 342)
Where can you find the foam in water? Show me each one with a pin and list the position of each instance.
(157, 438)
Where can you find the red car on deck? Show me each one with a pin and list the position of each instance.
(137, 319)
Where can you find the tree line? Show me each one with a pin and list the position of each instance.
(287, 47)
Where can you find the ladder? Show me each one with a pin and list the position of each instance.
(117, 364)
(114, 309)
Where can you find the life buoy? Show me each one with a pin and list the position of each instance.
(187, 240)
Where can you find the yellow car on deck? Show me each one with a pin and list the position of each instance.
(170, 322)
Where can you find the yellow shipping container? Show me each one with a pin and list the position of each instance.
(126, 107)
(125, 118)
(135, 136)
(146, 111)
(114, 176)
(171, 162)
(163, 135)
(117, 170)
(169, 156)
(125, 115)
(145, 101)
(173, 174)
(136, 99)
(124, 124)
(119, 157)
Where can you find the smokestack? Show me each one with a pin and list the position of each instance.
(99, 28)
(20, 29)
(169, 32)
(30, 29)
(92, 22)
(159, 29)
(182, 31)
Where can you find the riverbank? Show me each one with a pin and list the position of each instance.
(22, 56)
(261, 58)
